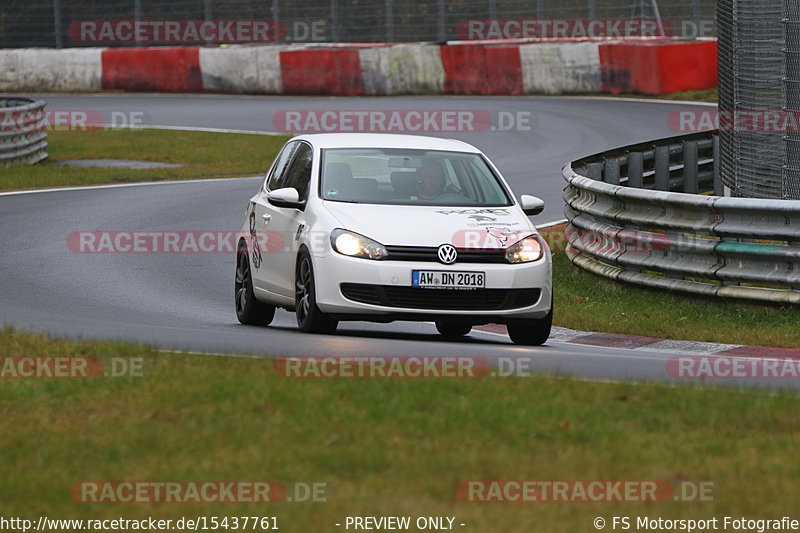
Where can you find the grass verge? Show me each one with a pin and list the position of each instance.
(587, 302)
(704, 95)
(384, 447)
(700, 95)
(203, 154)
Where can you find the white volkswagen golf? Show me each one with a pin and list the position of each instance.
(383, 227)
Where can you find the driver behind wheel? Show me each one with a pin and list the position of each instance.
(430, 180)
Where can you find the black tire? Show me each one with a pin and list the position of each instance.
(532, 332)
(309, 318)
(249, 310)
(453, 330)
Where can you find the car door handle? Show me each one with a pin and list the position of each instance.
(266, 218)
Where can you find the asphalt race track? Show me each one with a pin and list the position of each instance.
(557, 129)
(185, 301)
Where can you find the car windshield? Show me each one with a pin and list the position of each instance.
(409, 177)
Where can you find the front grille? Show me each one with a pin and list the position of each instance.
(430, 254)
(443, 299)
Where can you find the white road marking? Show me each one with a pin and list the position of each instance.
(120, 185)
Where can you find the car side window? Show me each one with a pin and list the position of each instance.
(273, 181)
(298, 174)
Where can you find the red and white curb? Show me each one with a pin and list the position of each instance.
(652, 344)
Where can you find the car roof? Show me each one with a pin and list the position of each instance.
(385, 140)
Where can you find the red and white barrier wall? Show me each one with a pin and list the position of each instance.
(42, 69)
(645, 67)
(658, 68)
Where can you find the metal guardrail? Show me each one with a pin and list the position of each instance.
(652, 214)
(23, 131)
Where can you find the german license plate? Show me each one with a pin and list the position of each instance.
(440, 279)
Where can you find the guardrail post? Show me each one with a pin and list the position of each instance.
(690, 167)
(662, 168)
(594, 171)
(635, 169)
(719, 189)
(611, 171)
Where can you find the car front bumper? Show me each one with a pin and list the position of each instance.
(531, 283)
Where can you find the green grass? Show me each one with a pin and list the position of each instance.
(384, 447)
(701, 95)
(587, 302)
(204, 155)
(704, 95)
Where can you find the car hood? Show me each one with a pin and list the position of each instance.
(464, 227)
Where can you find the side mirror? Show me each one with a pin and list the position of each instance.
(531, 205)
(287, 197)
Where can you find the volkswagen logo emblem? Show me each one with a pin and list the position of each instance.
(447, 254)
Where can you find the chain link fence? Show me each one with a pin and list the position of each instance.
(759, 76)
(751, 67)
(51, 23)
(791, 174)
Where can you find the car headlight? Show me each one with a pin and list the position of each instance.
(524, 251)
(355, 245)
